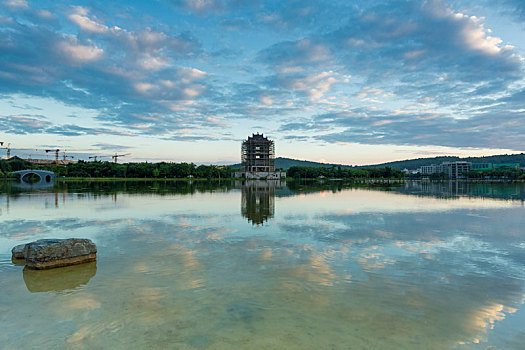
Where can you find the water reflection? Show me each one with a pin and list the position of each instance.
(42, 184)
(406, 266)
(258, 199)
(456, 189)
(60, 279)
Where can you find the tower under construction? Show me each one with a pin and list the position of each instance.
(258, 159)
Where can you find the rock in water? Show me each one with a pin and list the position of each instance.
(50, 253)
(18, 252)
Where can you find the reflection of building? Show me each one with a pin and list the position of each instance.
(258, 159)
(456, 189)
(258, 200)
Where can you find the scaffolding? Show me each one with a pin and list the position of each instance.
(258, 154)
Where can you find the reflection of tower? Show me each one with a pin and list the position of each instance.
(258, 200)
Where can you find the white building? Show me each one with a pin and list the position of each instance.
(456, 170)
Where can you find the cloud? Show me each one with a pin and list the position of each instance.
(296, 53)
(201, 7)
(419, 67)
(132, 77)
(23, 124)
(38, 124)
(75, 130)
(315, 85)
(110, 146)
(87, 24)
(17, 4)
(235, 24)
(419, 128)
(78, 53)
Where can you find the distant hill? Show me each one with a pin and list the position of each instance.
(286, 163)
(416, 163)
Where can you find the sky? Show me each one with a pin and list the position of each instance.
(351, 82)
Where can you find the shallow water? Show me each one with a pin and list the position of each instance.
(266, 266)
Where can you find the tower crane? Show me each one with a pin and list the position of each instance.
(56, 154)
(95, 157)
(8, 148)
(119, 155)
(65, 157)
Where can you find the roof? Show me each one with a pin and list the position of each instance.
(258, 137)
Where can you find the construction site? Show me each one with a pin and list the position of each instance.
(258, 159)
(53, 156)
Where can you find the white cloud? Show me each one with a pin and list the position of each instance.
(153, 63)
(475, 36)
(316, 85)
(287, 70)
(189, 75)
(315, 52)
(471, 29)
(266, 100)
(17, 4)
(191, 92)
(202, 6)
(78, 53)
(87, 24)
(45, 14)
(143, 88)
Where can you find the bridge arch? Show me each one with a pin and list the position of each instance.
(44, 175)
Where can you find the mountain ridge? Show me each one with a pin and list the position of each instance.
(285, 163)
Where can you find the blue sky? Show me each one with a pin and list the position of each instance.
(337, 81)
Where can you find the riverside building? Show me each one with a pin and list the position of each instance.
(459, 169)
(456, 170)
(258, 159)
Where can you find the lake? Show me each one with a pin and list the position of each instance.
(268, 265)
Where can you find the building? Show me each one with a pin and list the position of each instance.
(513, 166)
(258, 154)
(456, 170)
(482, 166)
(459, 169)
(258, 159)
(493, 166)
(430, 169)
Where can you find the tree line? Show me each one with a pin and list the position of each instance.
(344, 173)
(125, 170)
(99, 169)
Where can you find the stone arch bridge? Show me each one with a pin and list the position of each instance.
(44, 175)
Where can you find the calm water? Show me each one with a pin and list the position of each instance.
(267, 266)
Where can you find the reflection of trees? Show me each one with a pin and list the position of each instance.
(258, 200)
(455, 189)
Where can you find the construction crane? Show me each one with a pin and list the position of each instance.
(56, 154)
(66, 157)
(95, 157)
(119, 155)
(8, 148)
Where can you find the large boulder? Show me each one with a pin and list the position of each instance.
(50, 253)
(18, 252)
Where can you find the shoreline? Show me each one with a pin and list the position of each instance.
(355, 180)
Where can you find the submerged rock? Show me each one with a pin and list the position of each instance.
(18, 252)
(50, 253)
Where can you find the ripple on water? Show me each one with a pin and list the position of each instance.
(9, 265)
